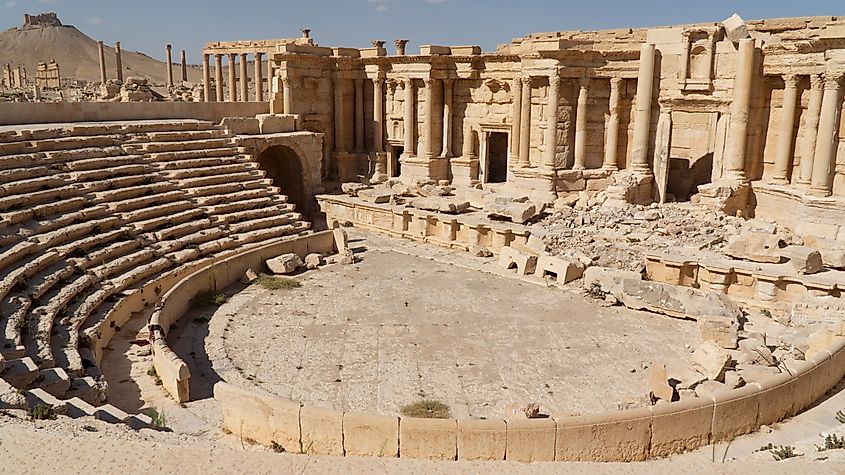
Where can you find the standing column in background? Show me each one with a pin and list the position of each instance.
(380, 172)
(738, 133)
(783, 155)
(288, 95)
(259, 81)
(218, 77)
(169, 66)
(206, 78)
(826, 142)
(808, 146)
(233, 79)
(581, 125)
(339, 136)
(102, 62)
(551, 122)
(118, 58)
(642, 120)
(244, 79)
(359, 116)
(184, 61)
(448, 90)
(613, 126)
(428, 131)
(525, 124)
(516, 121)
(408, 118)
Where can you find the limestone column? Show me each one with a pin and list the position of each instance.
(642, 119)
(551, 122)
(408, 118)
(428, 131)
(169, 66)
(259, 82)
(233, 86)
(826, 142)
(102, 62)
(288, 98)
(468, 147)
(613, 126)
(448, 90)
(244, 79)
(359, 116)
(270, 73)
(378, 115)
(206, 78)
(787, 126)
(738, 132)
(118, 58)
(184, 66)
(339, 136)
(808, 146)
(516, 120)
(581, 125)
(525, 123)
(218, 77)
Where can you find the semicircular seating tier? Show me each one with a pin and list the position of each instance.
(97, 220)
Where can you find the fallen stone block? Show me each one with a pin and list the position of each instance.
(832, 251)
(607, 279)
(565, 202)
(476, 198)
(805, 260)
(140, 421)
(441, 205)
(735, 28)
(564, 271)
(708, 389)
(756, 373)
(658, 381)
(524, 263)
(341, 239)
(434, 190)
(683, 377)
(517, 212)
(711, 361)
(733, 380)
(819, 341)
(676, 301)
(76, 408)
(344, 257)
(88, 390)
(284, 264)
(20, 372)
(10, 398)
(753, 351)
(241, 125)
(37, 396)
(249, 276)
(375, 195)
(353, 188)
(480, 251)
(313, 261)
(54, 380)
(755, 247)
(110, 414)
(276, 123)
(720, 330)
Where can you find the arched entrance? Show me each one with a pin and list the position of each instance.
(284, 167)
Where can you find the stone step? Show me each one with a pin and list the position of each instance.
(86, 389)
(160, 222)
(175, 232)
(264, 234)
(106, 254)
(38, 397)
(21, 160)
(16, 174)
(191, 154)
(77, 158)
(205, 144)
(262, 223)
(245, 214)
(234, 205)
(137, 274)
(157, 211)
(54, 381)
(20, 372)
(75, 142)
(10, 203)
(229, 178)
(120, 182)
(184, 173)
(77, 408)
(129, 192)
(199, 162)
(39, 211)
(146, 201)
(104, 162)
(186, 135)
(225, 191)
(102, 174)
(32, 184)
(120, 264)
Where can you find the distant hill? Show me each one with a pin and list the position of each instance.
(40, 41)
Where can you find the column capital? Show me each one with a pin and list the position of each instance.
(554, 79)
(285, 79)
(429, 82)
(833, 79)
(205, 56)
(379, 81)
(258, 55)
(790, 81)
(526, 80)
(244, 55)
(616, 82)
(816, 81)
(169, 47)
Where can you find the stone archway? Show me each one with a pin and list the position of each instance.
(284, 166)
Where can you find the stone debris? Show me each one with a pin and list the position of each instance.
(804, 260)
(711, 361)
(341, 239)
(660, 389)
(755, 247)
(832, 251)
(480, 251)
(441, 204)
(313, 261)
(249, 276)
(676, 301)
(376, 195)
(708, 389)
(607, 280)
(429, 190)
(352, 188)
(735, 28)
(517, 212)
(284, 264)
(719, 330)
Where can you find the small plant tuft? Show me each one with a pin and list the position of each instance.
(41, 412)
(840, 417)
(595, 291)
(85, 341)
(784, 452)
(270, 282)
(427, 409)
(154, 374)
(766, 313)
(277, 447)
(832, 442)
(158, 417)
(208, 299)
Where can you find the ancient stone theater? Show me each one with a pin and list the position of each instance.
(585, 246)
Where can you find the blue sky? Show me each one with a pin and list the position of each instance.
(147, 25)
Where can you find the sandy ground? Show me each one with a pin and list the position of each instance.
(397, 328)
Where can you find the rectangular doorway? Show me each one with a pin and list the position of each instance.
(497, 157)
(394, 166)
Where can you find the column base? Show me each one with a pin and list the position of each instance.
(420, 168)
(727, 196)
(819, 192)
(779, 181)
(464, 171)
(379, 167)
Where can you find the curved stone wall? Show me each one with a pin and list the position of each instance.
(629, 435)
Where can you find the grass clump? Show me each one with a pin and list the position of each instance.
(277, 447)
(208, 299)
(41, 412)
(270, 282)
(840, 417)
(427, 409)
(832, 442)
(158, 416)
(154, 374)
(784, 452)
